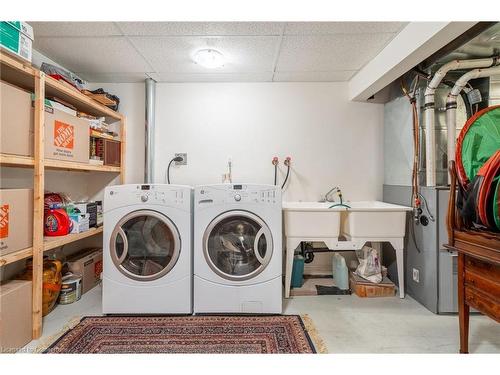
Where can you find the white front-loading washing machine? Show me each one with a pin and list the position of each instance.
(147, 254)
(237, 249)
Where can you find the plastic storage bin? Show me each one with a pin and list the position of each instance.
(298, 271)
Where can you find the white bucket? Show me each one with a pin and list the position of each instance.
(71, 289)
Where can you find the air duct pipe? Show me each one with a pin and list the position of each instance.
(149, 131)
(430, 137)
(451, 102)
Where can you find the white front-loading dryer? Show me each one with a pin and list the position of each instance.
(147, 254)
(237, 249)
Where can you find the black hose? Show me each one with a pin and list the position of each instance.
(275, 174)
(286, 177)
(177, 158)
(168, 171)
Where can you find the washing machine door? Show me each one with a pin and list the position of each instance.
(145, 245)
(237, 245)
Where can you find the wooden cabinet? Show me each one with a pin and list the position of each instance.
(478, 268)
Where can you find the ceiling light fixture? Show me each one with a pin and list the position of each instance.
(209, 58)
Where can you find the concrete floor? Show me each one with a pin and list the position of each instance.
(347, 324)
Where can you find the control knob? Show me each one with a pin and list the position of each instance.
(237, 197)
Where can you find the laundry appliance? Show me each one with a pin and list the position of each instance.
(237, 249)
(147, 257)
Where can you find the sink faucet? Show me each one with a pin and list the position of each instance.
(327, 197)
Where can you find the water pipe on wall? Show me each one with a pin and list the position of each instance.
(430, 137)
(451, 101)
(149, 131)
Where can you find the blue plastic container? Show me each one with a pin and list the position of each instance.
(298, 271)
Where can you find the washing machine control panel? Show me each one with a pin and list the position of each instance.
(158, 196)
(236, 194)
(151, 194)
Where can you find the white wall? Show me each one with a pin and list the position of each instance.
(331, 140)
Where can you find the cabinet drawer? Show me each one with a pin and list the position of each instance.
(487, 270)
(482, 283)
(482, 303)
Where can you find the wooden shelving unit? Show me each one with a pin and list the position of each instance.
(52, 242)
(16, 161)
(14, 257)
(70, 166)
(26, 77)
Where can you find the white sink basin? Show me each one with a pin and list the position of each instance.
(363, 222)
(374, 219)
(363, 219)
(311, 219)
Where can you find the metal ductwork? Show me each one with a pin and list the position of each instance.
(150, 131)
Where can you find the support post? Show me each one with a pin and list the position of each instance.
(38, 199)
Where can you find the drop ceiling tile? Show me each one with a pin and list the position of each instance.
(215, 77)
(334, 76)
(330, 52)
(199, 28)
(174, 54)
(114, 77)
(96, 55)
(64, 29)
(318, 28)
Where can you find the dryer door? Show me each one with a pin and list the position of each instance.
(145, 245)
(237, 245)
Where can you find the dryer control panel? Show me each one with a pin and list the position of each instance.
(238, 193)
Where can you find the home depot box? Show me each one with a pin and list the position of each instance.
(16, 121)
(16, 37)
(16, 220)
(87, 263)
(66, 136)
(15, 315)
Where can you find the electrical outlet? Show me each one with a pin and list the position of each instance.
(416, 275)
(184, 157)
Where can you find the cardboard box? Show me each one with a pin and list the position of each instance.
(88, 264)
(88, 208)
(15, 315)
(365, 288)
(66, 136)
(16, 220)
(17, 37)
(16, 121)
(79, 222)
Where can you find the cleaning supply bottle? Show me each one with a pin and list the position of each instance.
(56, 221)
(340, 272)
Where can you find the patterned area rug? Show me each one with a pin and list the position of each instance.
(189, 334)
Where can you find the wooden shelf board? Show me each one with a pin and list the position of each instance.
(68, 165)
(16, 160)
(54, 88)
(101, 137)
(15, 256)
(53, 242)
(16, 72)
